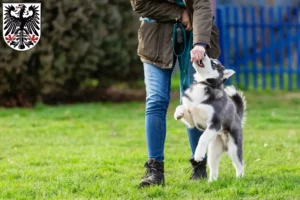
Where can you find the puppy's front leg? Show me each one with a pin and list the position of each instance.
(208, 135)
(184, 115)
(200, 113)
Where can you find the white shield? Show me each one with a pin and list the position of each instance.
(21, 25)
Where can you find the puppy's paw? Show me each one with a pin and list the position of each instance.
(198, 157)
(179, 112)
(240, 174)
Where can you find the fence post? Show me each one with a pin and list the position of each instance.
(245, 46)
(273, 51)
(237, 45)
(297, 10)
(263, 46)
(220, 24)
(253, 46)
(281, 47)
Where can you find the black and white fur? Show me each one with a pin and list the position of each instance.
(219, 112)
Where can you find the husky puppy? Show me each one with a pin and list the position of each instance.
(219, 112)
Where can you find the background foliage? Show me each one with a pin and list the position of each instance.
(84, 44)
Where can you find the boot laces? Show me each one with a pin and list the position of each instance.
(194, 168)
(149, 170)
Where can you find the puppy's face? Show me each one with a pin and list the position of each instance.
(209, 68)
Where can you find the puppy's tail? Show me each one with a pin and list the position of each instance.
(239, 100)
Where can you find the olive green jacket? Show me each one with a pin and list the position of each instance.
(155, 39)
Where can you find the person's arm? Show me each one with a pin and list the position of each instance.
(157, 9)
(202, 25)
(202, 21)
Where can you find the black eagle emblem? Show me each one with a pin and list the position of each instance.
(19, 23)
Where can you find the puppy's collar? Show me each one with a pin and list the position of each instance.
(212, 84)
(216, 86)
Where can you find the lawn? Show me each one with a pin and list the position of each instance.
(97, 151)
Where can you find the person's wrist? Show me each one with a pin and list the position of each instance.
(200, 44)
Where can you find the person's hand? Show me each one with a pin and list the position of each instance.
(197, 53)
(185, 20)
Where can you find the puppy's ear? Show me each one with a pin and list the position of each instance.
(228, 73)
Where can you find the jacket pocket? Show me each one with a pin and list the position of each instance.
(214, 51)
(148, 36)
(166, 45)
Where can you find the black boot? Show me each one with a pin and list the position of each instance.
(199, 170)
(154, 173)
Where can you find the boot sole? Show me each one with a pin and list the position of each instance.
(148, 184)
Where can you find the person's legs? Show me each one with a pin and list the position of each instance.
(158, 82)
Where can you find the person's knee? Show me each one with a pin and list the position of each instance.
(157, 103)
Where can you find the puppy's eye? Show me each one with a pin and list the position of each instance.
(221, 67)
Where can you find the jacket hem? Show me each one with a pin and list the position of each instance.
(157, 64)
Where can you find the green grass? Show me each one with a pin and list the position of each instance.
(97, 151)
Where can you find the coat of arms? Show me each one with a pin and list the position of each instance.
(21, 25)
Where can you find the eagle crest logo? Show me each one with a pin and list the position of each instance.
(21, 25)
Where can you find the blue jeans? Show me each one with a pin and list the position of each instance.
(158, 82)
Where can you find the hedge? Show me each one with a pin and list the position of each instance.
(84, 44)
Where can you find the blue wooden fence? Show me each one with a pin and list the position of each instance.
(262, 44)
